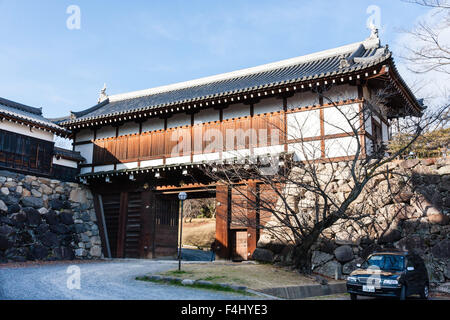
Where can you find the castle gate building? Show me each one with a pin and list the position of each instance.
(142, 148)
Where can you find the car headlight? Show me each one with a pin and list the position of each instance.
(352, 279)
(390, 281)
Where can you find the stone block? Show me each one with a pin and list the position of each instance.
(32, 202)
(264, 255)
(95, 251)
(343, 253)
(318, 258)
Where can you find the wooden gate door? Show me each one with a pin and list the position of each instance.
(111, 210)
(122, 213)
(140, 224)
(240, 245)
(133, 226)
(166, 226)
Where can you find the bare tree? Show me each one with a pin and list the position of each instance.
(298, 198)
(429, 48)
(203, 207)
(431, 3)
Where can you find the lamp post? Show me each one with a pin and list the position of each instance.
(181, 196)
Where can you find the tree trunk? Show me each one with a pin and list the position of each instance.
(302, 252)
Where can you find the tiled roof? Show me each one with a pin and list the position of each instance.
(68, 154)
(24, 113)
(342, 60)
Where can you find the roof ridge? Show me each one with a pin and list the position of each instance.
(20, 106)
(371, 42)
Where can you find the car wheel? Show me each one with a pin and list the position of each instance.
(403, 293)
(425, 292)
(353, 296)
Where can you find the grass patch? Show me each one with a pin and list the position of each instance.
(213, 278)
(178, 272)
(253, 276)
(213, 287)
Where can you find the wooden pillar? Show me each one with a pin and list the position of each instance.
(285, 135)
(222, 244)
(98, 207)
(121, 233)
(252, 235)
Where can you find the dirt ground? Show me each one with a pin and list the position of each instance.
(199, 233)
(252, 275)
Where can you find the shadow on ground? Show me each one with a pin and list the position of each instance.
(196, 255)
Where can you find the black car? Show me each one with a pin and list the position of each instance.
(389, 274)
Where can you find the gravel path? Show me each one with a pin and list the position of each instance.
(102, 280)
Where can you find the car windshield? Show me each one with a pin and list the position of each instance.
(385, 262)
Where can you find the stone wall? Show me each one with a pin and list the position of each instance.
(407, 209)
(44, 219)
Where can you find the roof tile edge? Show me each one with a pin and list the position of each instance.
(349, 48)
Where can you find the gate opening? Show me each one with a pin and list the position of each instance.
(199, 229)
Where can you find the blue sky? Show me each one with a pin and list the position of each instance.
(133, 45)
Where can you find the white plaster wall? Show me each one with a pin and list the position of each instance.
(151, 163)
(206, 115)
(336, 120)
(179, 120)
(86, 151)
(65, 162)
(303, 124)
(340, 92)
(236, 111)
(206, 157)
(384, 131)
(26, 131)
(306, 151)
(106, 132)
(109, 167)
(153, 124)
(236, 154)
(268, 105)
(85, 170)
(376, 118)
(176, 160)
(129, 128)
(128, 165)
(84, 135)
(268, 150)
(303, 99)
(340, 147)
(368, 124)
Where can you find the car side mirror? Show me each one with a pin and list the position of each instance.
(410, 269)
(358, 265)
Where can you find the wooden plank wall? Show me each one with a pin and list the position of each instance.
(146, 245)
(222, 222)
(177, 141)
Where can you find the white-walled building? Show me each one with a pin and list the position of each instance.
(27, 143)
